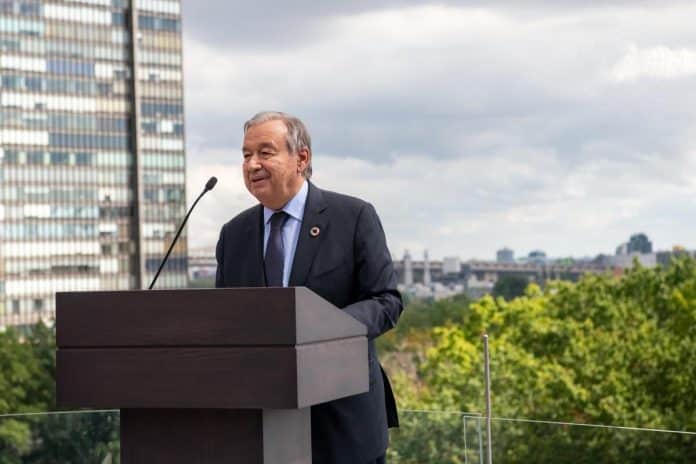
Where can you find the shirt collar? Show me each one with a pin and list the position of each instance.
(294, 208)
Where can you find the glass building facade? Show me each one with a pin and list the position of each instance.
(92, 161)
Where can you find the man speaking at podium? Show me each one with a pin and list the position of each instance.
(333, 244)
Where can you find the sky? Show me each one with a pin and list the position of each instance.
(560, 125)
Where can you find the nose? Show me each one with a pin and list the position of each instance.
(253, 163)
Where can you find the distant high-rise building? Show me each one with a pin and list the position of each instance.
(427, 279)
(536, 257)
(639, 243)
(408, 269)
(451, 265)
(505, 255)
(92, 162)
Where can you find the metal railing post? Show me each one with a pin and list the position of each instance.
(487, 374)
(466, 448)
(480, 440)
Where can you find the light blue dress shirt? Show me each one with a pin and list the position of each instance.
(291, 229)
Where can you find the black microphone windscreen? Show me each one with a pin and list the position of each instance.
(211, 183)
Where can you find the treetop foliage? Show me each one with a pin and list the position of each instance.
(605, 350)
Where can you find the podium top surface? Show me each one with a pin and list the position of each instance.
(200, 317)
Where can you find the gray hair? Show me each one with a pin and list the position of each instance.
(298, 135)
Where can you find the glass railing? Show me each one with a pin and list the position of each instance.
(460, 438)
(74, 437)
(518, 440)
(437, 437)
(424, 437)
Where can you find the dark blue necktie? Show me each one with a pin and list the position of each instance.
(274, 260)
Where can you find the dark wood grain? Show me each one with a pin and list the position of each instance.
(186, 436)
(174, 317)
(177, 378)
(218, 377)
(199, 317)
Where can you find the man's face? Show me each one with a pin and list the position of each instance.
(271, 173)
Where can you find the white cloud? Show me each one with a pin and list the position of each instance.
(655, 62)
(411, 54)
(472, 128)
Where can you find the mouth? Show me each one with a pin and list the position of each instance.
(258, 180)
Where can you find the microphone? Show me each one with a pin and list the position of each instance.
(208, 186)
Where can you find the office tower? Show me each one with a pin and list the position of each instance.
(505, 255)
(92, 162)
(537, 257)
(639, 243)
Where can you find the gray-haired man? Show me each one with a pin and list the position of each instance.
(275, 244)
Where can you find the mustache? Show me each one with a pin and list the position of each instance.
(257, 175)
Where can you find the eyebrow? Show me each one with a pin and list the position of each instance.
(262, 145)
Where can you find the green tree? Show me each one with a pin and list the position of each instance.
(26, 383)
(605, 351)
(510, 286)
(74, 438)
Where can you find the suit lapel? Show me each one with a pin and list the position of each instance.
(315, 219)
(254, 230)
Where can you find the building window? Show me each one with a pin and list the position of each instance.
(35, 157)
(11, 157)
(30, 9)
(34, 84)
(83, 159)
(59, 158)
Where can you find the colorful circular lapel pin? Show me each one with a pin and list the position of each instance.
(314, 231)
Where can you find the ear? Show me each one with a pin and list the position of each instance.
(303, 157)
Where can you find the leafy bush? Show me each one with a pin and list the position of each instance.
(605, 350)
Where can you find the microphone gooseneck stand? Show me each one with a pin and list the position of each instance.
(208, 186)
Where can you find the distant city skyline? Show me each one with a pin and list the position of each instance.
(418, 254)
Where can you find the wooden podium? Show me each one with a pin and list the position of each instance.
(209, 375)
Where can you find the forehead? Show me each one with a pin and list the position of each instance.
(269, 132)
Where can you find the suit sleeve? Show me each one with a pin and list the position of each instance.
(379, 303)
(219, 253)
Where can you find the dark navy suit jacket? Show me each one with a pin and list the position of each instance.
(349, 265)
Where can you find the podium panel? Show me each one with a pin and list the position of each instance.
(216, 436)
(208, 376)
